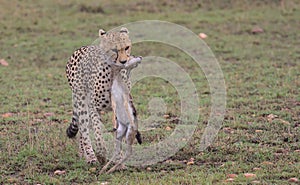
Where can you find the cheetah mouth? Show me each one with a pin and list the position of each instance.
(123, 62)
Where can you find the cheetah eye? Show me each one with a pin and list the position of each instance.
(126, 48)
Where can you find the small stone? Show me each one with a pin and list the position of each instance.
(257, 30)
(7, 115)
(294, 179)
(249, 175)
(256, 169)
(202, 35)
(229, 180)
(48, 114)
(166, 116)
(3, 62)
(59, 172)
(232, 175)
(168, 128)
(270, 117)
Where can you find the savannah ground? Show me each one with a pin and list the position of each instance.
(261, 129)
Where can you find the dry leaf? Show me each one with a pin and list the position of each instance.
(202, 35)
(3, 62)
(104, 183)
(59, 172)
(92, 170)
(232, 175)
(149, 169)
(256, 169)
(191, 161)
(267, 163)
(7, 115)
(249, 175)
(256, 182)
(228, 130)
(294, 179)
(12, 180)
(258, 131)
(284, 122)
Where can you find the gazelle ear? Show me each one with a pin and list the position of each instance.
(101, 32)
(124, 30)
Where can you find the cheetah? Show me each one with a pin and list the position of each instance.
(89, 75)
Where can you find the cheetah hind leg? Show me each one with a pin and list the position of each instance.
(84, 121)
(72, 131)
(100, 148)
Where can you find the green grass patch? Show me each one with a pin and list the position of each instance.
(261, 129)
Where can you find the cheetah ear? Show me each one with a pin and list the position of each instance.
(124, 30)
(101, 32)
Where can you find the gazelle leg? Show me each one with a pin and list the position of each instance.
(112, 159)
(114, 115)
(120, 133)
(114, 118)
(130, 136)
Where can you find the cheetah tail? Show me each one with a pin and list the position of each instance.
(138, 137)
(72, 130)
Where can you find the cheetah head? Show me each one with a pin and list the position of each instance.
(116, 45)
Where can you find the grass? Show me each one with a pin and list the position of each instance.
(262, 73)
